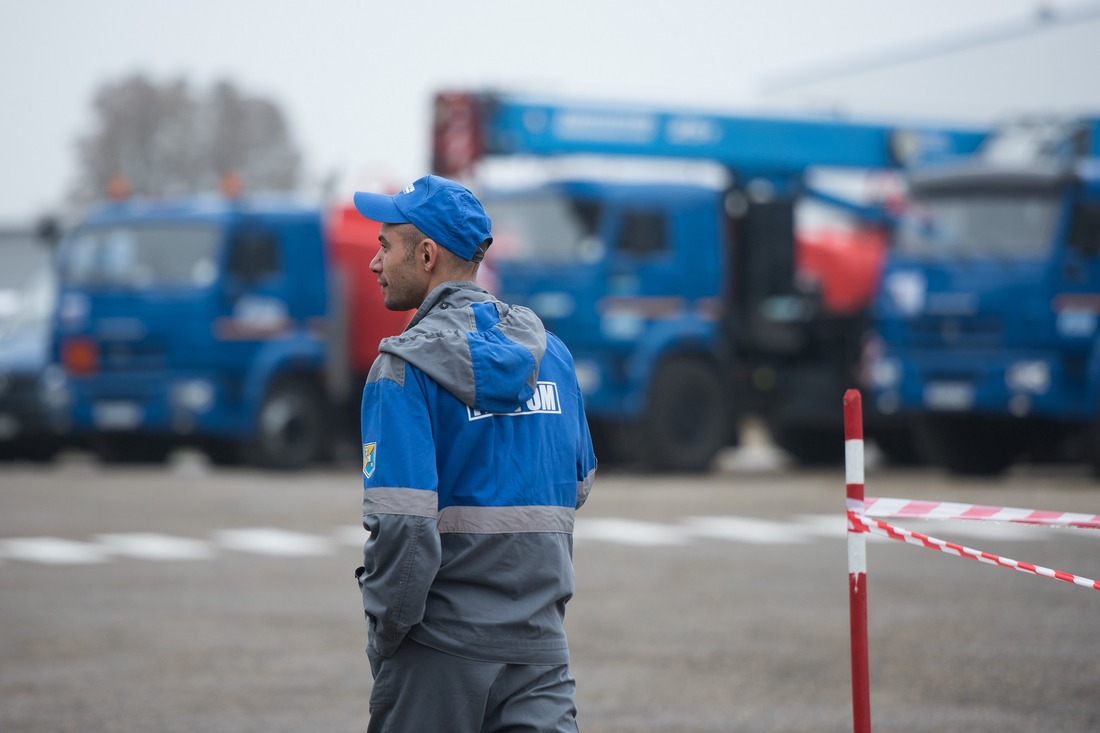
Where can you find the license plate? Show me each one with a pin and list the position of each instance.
(949, 396)
(117, 415)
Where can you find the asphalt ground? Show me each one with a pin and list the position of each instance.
(186, 598)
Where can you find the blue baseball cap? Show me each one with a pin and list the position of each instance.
(444, 210)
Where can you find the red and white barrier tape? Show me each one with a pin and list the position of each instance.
(882, 529)
(861, 509)
(911, 509)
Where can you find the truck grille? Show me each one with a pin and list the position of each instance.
(131, 356)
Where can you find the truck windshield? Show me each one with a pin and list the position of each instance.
(141, 256)
(547, 227)
(1003, 224)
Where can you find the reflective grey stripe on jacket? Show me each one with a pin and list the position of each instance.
(422, 503)
(472, 519)
(414, 502)
(502, 519)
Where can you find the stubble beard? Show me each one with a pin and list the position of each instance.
(399, 294)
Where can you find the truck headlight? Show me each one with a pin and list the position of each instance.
(196, 395)
(1028, 376)
(884, 373)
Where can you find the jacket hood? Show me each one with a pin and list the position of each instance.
(484, 352)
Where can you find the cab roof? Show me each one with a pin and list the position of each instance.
(213, 209)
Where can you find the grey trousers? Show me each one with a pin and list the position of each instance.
(423, 690)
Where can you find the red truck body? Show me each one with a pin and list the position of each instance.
(353, 242)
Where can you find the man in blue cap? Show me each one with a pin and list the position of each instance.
(476, 455)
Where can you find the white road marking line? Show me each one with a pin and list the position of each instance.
(284, 543)
(52, 551)
(152, 546)
(630, 532)
(745, 529)
(829, 526)
(276, 542)
(353, 535)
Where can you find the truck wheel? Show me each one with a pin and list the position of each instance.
(36, 450)
(132, 448)
(1092, 448)
(811, 446)
(687, 420)
(972, 446)
(223, 452)
(615, 443)
(899, 445)
(289, 428)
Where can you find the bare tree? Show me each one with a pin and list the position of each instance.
(249, 136)
(168, 139)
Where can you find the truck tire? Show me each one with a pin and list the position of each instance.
(810, 446)
(1092, 448)
(899, 445)
(687, 420)
(36, 450)
(289, 427)
(968, 445)
(130, 448)
(224, 452)
(617, 444)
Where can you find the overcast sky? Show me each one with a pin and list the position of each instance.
(355, 77)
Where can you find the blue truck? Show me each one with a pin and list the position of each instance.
(988, 319)
(688, 305)
(240, 324)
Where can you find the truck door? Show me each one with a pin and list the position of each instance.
(1076, 301)
(256, 285)
(658, 273)
(1081, 268)
(642, 265)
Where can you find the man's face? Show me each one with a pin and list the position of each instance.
(399, 270)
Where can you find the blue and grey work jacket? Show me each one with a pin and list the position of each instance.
(476, 455)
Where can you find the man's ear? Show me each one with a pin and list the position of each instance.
(428, 252)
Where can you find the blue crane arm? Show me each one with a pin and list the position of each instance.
(509, 125)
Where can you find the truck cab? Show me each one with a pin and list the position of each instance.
(629, 275)
(988, 315)
(199, 320)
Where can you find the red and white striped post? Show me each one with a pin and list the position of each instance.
(857, 560)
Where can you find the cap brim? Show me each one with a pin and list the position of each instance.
(379, 207)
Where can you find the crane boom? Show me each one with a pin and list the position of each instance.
(472, 126)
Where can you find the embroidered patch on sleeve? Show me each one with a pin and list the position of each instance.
(370, 459)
